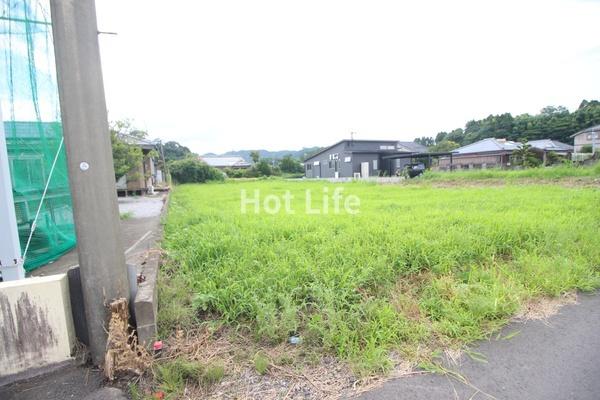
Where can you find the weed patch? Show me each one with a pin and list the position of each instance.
(417, 270)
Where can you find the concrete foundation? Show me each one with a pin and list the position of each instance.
(36, 324)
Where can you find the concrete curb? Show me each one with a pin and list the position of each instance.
(145, 304)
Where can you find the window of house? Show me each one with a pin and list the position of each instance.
(347, 159)
(375, 164)
(330, 164)
(308, 167)
(316, 163)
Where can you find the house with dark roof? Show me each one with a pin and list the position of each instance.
(226, 162)
(587, 137)
(494, 153)
(360, 158)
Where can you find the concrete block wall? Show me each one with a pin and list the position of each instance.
(36, 323)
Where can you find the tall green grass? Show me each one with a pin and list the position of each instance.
(549, 173)
(417, 268)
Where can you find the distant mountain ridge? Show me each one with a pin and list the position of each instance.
(245, 154)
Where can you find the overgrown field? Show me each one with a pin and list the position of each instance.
(416, 270)
(548, 173)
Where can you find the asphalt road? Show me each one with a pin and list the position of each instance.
(557, 359)
(140, 232)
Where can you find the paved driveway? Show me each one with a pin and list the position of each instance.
(139, 231)
(554, 360)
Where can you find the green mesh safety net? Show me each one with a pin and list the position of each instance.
(31, 113)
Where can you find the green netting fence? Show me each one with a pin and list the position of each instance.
(31, 113)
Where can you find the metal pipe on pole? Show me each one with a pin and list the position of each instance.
(90, 164)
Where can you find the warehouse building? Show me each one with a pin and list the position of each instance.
(360, 159)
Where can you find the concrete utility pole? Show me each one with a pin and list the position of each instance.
(90, 163)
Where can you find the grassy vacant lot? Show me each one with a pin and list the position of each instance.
(416, 270)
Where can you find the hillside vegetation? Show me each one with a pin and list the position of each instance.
(551, 123)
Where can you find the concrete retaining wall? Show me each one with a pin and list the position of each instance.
(36, 324)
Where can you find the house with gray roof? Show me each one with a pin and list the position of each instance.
(587, 137)
(548, 145)
(495, 153)
(486, 153)
(359, 158)
(226, 162)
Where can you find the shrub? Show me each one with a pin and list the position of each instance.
(553, 158)
(587, 148)
(235, 173)
(264, 168)
(261, 168)
(190, 170)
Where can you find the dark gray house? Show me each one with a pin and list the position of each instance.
(360, 158)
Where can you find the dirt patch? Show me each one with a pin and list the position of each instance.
(545, 307)
(293, 371)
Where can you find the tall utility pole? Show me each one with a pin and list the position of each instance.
(89, 158)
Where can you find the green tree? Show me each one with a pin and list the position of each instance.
(525, 157)
(456, 135)
(290, 165)
(192, 170)
(263, 168)
(175, 151)
(552, 122)
(441, 136)
(125, 156)
(425, 141)
(254, 156)
(444, 146)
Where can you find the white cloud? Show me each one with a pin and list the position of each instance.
(219, 75)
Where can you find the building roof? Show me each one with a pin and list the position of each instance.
(410, 147)
(550, 145)
(414, 147)
(595, 128)
(136, 141)
(225, 162)
(488, 145)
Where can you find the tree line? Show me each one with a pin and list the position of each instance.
(185, 166)
(551, 123)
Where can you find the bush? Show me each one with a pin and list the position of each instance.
(261, 168)
(190, 170)
(587, 148)
(235, 173)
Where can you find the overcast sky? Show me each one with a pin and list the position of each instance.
(221, 75)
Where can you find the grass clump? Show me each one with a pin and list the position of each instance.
(126, 215)
(261, 363)
(212, 374)
(417, 268)
(173, 376)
